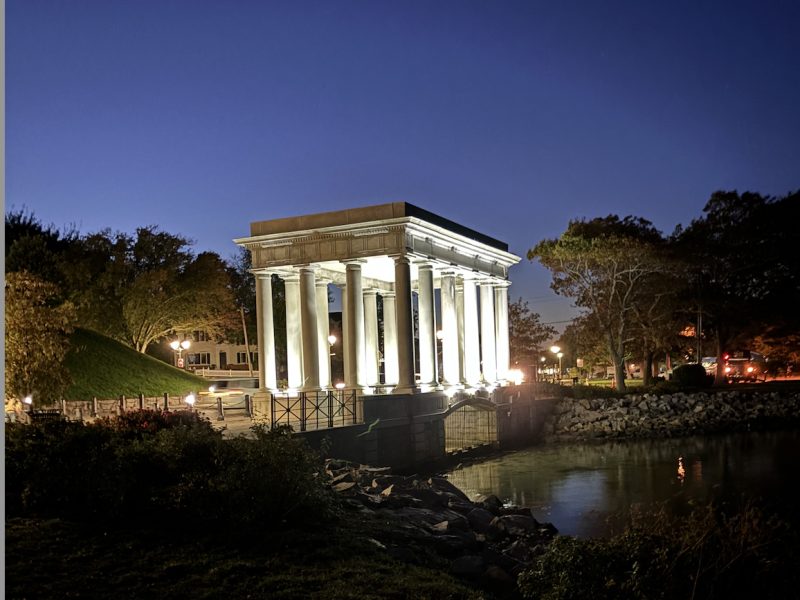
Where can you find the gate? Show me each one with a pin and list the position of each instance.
(470, 423)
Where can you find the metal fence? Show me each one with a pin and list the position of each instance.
(316, 410)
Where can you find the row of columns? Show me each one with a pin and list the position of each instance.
(466, 359)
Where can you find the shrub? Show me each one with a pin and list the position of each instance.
(589, 391)
(168, 466)
(691, 376)
(711, 553)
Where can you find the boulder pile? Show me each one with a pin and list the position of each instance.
(484, 540)
(670, 415)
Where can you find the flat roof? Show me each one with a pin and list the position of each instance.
(368, 214)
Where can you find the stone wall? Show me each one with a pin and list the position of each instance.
(671, 415)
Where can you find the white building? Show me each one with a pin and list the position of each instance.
(409, 258)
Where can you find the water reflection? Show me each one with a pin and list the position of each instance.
(578, 486)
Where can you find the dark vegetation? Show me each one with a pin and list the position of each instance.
(155, 504)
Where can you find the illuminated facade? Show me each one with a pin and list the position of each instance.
(414, 262)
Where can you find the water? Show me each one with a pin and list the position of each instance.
(578, 487)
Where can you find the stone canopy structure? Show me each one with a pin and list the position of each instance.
(395, 251)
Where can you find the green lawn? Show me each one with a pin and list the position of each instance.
(104, 368)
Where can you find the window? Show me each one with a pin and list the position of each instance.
(241, 358)
(200, 336)
(199, 358)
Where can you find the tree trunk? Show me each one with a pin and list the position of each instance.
(647, 368)
(719, 376)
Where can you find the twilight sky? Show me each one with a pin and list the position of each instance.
(509, 117)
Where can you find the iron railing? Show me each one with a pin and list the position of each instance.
(305, 411)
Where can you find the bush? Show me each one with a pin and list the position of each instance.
(691, 376)
(589, 391)
(167, 466)
(709, 553)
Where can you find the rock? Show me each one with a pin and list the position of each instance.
(498, 574)
(480, 520)
(491, 503)
(343, 486)
(516, 525)
(468, 566)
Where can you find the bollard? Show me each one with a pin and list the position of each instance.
(94, 406)
(166, 401)
(220, 410)
(80, 414)
(141, 401)
(248, 405)
(64, 407)
(121, 404)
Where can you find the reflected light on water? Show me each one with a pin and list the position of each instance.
(697, 470)
(681, 470)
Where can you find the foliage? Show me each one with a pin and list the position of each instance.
(605, 265)
(150, 465)
(103, 368)
(744, 267)
(691, 376)
(526, 332)
(710, 553)
(580, 392)
(35, 339)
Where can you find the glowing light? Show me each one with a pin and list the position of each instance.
(450, 392)
(174, 344)
(340, 385)
(440, 335)
(190, 399)
(516, 375)
(212, 389)
(331, 339)
(185, 344)
(28, 400)
(555, 349)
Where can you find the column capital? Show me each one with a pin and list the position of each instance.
(387, 294)
(291, 277)
(307, 267)
(370, 291)
(400, 258)
(502, 283)
(353, 262)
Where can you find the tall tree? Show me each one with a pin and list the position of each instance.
(36, 338)
(603, 264)
(743, 262)
(526, 333)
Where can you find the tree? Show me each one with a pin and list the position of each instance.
(744, 268)
(36, 338)
(526, 333)
(603, 264)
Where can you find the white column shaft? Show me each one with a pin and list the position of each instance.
(267, 375)
(460, 323)
(308, 324)
(449, 330)
(488, 343)
(390, 365)
(501, 330)
(294, 349)
(405, 328)
(355, 327)
(323, 331)
(472, 360)
(427, 326)
(372, 364)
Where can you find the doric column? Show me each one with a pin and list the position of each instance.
(346, 340)
(449, 329)
(354, 378)
(372, 364)
(501, 329)
(488, 343)
(308, 327)
(460, 324)
(405, 328)
(267, 376)
(323, 331)
(472, 359)
(427, 325)
(294, 350)
(390, 365)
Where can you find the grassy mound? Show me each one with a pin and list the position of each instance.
(105, 368)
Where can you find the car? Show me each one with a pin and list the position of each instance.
(744, 365)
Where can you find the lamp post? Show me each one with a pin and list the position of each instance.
(557, 351)
(179, 347)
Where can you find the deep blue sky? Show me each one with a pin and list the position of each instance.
(510, 117)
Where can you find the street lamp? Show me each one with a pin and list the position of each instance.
(179, 347)
(557, 351)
